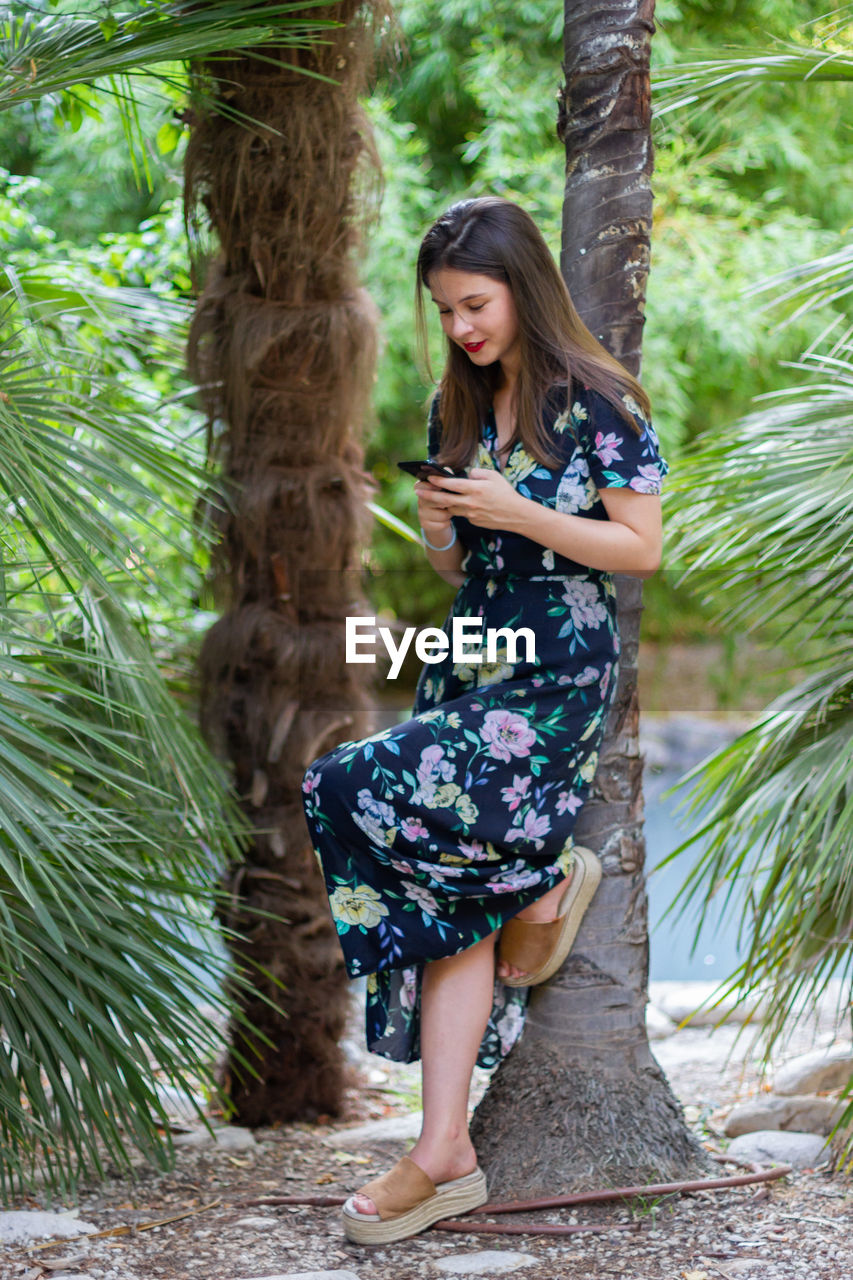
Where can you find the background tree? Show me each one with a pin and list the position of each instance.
(283, 345)
(581, 1100)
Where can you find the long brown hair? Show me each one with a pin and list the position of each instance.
(493, 237)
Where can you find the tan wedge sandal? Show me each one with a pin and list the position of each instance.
(539, 947)
(408, 1201)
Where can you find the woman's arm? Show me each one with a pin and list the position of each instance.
(629, 541)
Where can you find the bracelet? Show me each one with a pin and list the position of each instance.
(432, 545)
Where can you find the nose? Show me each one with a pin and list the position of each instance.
(460, 326)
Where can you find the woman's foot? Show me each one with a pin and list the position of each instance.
(408, 1202)
(543, 909)
(440, 1166)
(535, 943)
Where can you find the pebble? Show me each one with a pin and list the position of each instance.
(227, 1138)
(489, 1262)
(307, 1275)
(776, 1146)
(257, 1223)
(811, 1072)
(394, 1129)
(21, 1226)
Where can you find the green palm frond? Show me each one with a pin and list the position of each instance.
(76, 441)
(33, 294)
(708, 81)
(113, 834)
(394, 523)
(762, 512)
(777, 809)
(823, 282)
(43, 54)
(114, 820)
(763, 516)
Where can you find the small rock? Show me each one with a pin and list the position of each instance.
(226, 1138)
(773, 1146)
(256, 1224)
(307, 1275)
(821, 1069)
(685, 1000)
(802, 1113)
(490, 1262)
(178, 1103)
(71, 1263)
(659, 1025)
(395, 1128)
(21, 1226)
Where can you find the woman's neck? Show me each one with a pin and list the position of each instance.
(509, 376)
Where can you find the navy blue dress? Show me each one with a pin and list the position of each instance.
(434, 833)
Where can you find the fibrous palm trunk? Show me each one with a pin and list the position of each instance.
(283, 344)
(581, 1100)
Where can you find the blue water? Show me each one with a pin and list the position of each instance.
(675, 950)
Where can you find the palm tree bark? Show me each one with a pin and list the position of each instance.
(581, 1100)
(283, 344)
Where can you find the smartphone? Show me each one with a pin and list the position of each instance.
(424, 467)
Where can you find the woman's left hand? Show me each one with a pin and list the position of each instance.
(484, 497)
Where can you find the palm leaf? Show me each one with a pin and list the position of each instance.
(48, 54)
(114, 820)
(823, 282)
(763, 520)
(109, 811)
(392, 522)
(762, 516)
(707, 82)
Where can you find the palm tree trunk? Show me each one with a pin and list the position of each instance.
(581, 1100)
(283, 344)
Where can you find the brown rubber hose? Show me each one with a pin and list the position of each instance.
(555, 1202)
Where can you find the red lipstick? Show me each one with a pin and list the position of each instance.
(474, 346)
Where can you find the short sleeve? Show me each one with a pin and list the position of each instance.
(618, 457)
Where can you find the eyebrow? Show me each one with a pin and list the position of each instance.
(468, 298)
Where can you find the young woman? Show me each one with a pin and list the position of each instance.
(446, 842)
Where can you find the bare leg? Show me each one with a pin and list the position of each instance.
(544, 908)
(456, 999)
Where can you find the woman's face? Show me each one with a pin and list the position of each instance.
(479, 315)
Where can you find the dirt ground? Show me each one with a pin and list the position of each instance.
(799, 1227)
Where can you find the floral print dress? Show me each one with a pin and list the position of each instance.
(432, 834)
